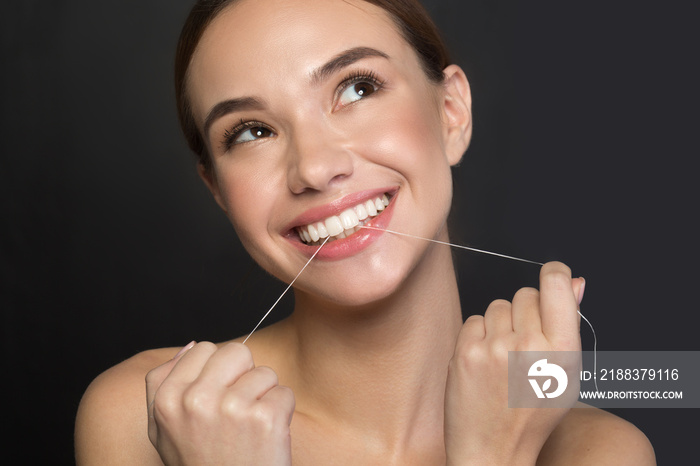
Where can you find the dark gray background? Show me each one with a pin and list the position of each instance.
(585, 134)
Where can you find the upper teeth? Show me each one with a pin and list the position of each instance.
(345, 223)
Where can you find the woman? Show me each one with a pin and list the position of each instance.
(309, 117)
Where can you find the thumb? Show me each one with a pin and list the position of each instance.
(579, 286)
(156, 376)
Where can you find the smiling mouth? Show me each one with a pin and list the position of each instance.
(345, 223)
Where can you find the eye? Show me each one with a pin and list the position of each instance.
(246, 131)
(252, 134)
(355, 92)
(358, 85)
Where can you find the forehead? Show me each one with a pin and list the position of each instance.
(255, 46)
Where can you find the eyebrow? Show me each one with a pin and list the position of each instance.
(340, 61)
(229, 106)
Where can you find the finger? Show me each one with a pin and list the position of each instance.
(498, 318)
(274, 406)
(184, 349)
(473, 328)
(167, 397)
(154, 380)
(282, 399)
(253, 385)
(558, 306)
(156, 376)
(578, 285)
(226, 365)
(526, 311)
(472, 331)
(191, 363)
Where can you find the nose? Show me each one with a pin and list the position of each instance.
(318, 159)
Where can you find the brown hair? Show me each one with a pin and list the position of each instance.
(413, 22)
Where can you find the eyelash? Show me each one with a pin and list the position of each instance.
(230, 135)
(359, 76)
(354, 77)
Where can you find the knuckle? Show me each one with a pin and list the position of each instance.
(469, 355)
(195, 400)
(206, 346)
(166, 403)
(267, 416)
(499, 349)
(155, 376)
(499, 305)
(233, 408)
(527, 292)
(152, 376)
(287, 394)
(240, 352)
(474, 318)
(268, 375)
(529, 343)
(471, 329)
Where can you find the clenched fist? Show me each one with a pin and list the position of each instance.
(211, 405)
(480, 428)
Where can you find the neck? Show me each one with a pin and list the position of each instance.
(381, 370)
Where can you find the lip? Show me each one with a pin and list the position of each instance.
(319, 213)
(346, 247)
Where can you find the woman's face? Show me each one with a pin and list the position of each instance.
(311, 108)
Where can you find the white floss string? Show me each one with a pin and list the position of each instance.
(595, 351)
(455, 245)
(287, 289)
(595, 338)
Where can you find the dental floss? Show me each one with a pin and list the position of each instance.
(454, 245)
(595, 338)
(287, 289)
(595, 352)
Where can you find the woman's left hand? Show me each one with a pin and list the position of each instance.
(480, 428)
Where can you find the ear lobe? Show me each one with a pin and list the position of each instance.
(457, 111)
(212, 183)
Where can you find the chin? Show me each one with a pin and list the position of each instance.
(360, 290)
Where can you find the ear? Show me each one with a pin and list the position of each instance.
(457, 112)
(209, 178)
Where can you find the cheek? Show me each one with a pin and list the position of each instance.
(250, 196)
(247, 194)
(408, 139)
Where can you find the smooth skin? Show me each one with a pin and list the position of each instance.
(375, 365)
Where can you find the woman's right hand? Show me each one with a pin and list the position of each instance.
(211, 405)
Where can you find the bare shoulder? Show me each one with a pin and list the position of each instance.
(112, 425)
(590, 435)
